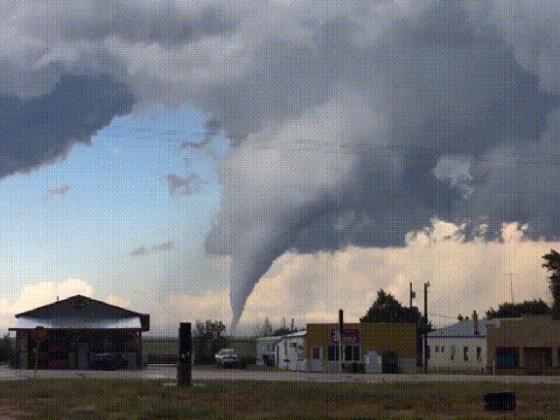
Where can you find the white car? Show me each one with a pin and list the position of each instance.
(226, 358)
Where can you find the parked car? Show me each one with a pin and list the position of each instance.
(226, 358)
(107, 361)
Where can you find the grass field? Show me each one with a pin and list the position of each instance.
(114, 399)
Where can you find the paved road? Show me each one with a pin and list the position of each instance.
(205, 374)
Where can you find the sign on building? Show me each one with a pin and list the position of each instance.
(349, 336)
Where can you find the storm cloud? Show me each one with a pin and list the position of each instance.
(351, 123)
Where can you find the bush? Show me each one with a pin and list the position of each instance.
(6, 349)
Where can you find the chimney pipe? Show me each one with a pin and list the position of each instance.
(475, 323)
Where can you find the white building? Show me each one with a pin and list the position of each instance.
(266, 350)
(290, 351)
(458, 347)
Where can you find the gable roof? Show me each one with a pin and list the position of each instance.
(463, 328)
(51, 308)
(82, 312)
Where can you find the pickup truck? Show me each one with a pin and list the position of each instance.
(226, 358)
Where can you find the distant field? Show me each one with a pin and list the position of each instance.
(113, 399)
(170, 345)
(160, 345)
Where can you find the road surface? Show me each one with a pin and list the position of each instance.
(207, 374)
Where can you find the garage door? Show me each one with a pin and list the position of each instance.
(537, 359)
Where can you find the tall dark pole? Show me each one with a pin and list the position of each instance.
(340, 328)
(184, 374)
(426, 285)
(411, 295)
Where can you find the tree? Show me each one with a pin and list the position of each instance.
(516, 310)
(552, 265)
(209, 339)
(281, 331)
(388, 309)
(6, 349)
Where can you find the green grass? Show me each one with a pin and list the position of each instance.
(115, 399)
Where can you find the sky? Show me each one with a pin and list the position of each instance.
(244, 160)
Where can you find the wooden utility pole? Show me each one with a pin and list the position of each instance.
(511, 286)
(426, 285)
(411, 295)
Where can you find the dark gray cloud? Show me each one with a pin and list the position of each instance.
(179, 185)
(63, 190)
(142, 250)
(42, 130)
(350, 122)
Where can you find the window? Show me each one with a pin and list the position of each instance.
(452, 353)
(352, 353)
(478, 354)
(437, 349)
(442, 349)
(466, 354)
(333, 353)
(347, 353)
(316, 353)
(357, 353)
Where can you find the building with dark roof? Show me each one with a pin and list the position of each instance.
(79, 333)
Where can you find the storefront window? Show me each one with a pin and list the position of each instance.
(357, 353)
(333, 353)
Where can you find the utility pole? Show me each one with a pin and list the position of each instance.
(511, 286)
(411, 295)
(426, 285)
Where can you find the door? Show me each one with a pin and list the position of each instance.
(83, 356)
(389, 362)
(536, 360)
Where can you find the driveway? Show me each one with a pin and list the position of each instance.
(208, 374)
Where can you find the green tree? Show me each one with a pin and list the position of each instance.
(209, 338)
(516, 310)
(6, 349)
(388, 309)
(552, 265)
(281, 331)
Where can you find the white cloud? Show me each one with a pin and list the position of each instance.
(39, 294)
(311, 288)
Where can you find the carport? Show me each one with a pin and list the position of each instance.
(79, 333)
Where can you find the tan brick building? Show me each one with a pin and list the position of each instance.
(530, 345)
(393, 345)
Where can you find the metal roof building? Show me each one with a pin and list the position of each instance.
(459, 347)
(79, 333)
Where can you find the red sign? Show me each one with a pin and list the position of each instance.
(39, 334)
(349, 336)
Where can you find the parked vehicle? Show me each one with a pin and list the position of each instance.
(226, 358)
(107, 361)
